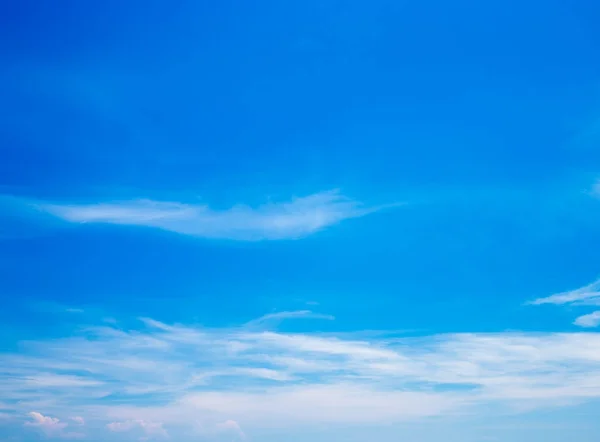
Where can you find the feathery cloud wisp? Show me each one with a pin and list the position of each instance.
(231, 426)
(590, 320)
(587, 295)
(168, 376)
(297, 218)
(275, 318)
(150, 429)
(581, 294)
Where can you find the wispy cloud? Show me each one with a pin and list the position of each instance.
(155, 379)
(584, 296)
(149, 429)
(231, 426)
(275, 318)
(294, 219)
(581, 294)
(78, 420)
(590, 320)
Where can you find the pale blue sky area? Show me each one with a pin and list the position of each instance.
(300, 221)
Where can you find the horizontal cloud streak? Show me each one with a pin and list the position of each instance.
(588, 295)
(165, 376)
(583, 294)
(297, 218)
(275, 318)
(150, 429)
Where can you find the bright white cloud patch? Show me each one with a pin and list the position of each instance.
(274, 221)
(46, 422)
(590, 320)
(51, 427)
(168, 378)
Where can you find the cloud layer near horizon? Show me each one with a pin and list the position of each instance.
(294, 219)
(178, 376)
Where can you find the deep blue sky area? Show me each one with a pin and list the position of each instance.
(397, 187)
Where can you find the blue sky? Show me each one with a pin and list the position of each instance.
(300, 221)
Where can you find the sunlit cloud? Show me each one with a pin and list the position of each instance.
(51, 427)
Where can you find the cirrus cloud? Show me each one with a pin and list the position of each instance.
(156, 378)
(293, 219)
(588, 295)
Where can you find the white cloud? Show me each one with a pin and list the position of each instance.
(314, 404)
(78, 420)
(297, 218)
(590, 320)
(118, 427)
(275, 318)
(51, 426)
(150, 429)
(50, 380)
(581, 294)
(46, 422)
(168, 376)
(588, 295)
(231, 426)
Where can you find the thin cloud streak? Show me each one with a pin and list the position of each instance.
(150, 429)
(295, 219)
(166, 376)
(275, 318)
(588, 295)
(581, 294)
